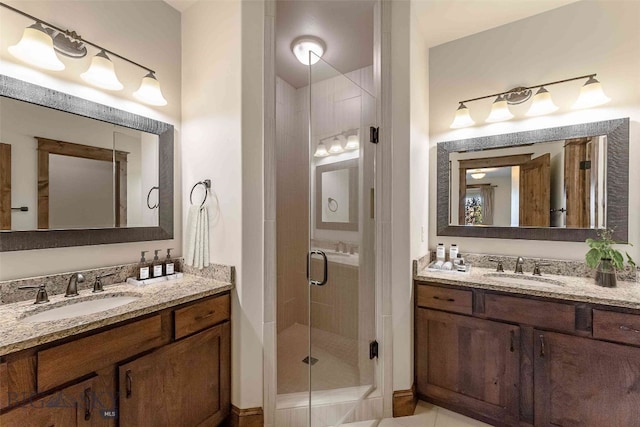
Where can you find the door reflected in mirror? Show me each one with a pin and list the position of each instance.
(62, 171)
(549, 184)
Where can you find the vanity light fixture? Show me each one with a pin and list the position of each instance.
(303, 46)
(38, 48)
(499, 110)
(591, 95)
(353, 142)
(321, 150)
(336, 146)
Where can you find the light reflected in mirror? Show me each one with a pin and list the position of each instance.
(62, 171)
(550, 184)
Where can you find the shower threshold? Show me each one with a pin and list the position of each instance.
(323, 397)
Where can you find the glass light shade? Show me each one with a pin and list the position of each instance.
(149, 91)
(499, 111)
(353, 142)
(478, 175)
(542, 104)
(321, 150)
(36, 48)
(591, 95)
(462, 118)
(303, 45)
(101, 73)
(336, 147)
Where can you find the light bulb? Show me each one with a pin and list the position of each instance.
(542, 103)
(353, 143)
(321, 150)
(36, 48)
(499, 111)
(149, 91)
(336, 146)
(462, 118)
(591, 95)
(101, 73)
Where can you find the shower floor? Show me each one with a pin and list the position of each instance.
(336, 366)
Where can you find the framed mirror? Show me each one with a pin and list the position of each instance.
(75, 173)
(560, 183)
(337, 196)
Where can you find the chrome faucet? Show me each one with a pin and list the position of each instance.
(519, 263)
(72, 287)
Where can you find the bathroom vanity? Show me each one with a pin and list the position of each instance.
(163, 359)
(546, 353)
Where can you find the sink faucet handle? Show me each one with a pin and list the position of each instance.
(536, 267)
(519, 262)
(41, 295)
(97, 285)
(499, 267)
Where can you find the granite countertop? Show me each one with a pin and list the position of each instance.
(16, 334)
(580, 289)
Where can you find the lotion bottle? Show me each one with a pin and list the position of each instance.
(157, 265)
(143, 268)
(440, 253)
(169, 265)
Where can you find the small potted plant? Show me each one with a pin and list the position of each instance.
(605, 259)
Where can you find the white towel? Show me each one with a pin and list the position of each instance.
(198, 237)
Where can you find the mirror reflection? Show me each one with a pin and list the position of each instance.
(549, 184)
(337, 195)
(63, 171)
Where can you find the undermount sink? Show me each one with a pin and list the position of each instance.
(81, 307)
(520, 279)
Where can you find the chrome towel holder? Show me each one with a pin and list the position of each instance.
(207, 185)
(149, 195)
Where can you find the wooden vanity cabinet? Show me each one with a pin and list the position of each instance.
(510, 359)
(170, 368)
(473, 363)
(184, 383)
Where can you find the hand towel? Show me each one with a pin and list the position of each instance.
(198, 237)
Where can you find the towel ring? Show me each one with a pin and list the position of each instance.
(331, 203)
(149, 195)
(207, 185)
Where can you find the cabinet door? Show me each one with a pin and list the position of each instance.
(584, 382)
(70, 407)
(186, 383)
(468, 363)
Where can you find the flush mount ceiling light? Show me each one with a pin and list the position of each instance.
(101, 73)
(308, 49)
(321, 150)
(478, 175)
(591, 95)
(37, 46)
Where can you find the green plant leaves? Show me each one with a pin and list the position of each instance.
(593, 257)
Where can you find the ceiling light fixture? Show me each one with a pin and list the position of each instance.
(308, 49)
(591, 95)
(37, 46)
(478, 175)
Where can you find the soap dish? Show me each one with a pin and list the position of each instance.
(134, 281)
(432, 268)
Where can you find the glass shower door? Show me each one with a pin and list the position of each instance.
(341, 304)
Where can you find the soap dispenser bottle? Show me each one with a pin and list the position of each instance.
(157, 265)
(143, 268)
(169, 265)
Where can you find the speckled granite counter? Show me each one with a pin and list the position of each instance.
(16, 334)
(580, 289)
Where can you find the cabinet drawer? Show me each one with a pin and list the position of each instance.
(456, 300)
(619, 327)
(67, 362)
(201, 315)
(541, 314)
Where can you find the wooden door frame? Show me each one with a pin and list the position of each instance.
(483, 162)
(48, 146)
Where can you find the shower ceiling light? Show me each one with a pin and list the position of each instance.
(321, 150)
(37, 48)
(308, 49)
(101, 73)
(478, 175)
(591, 95)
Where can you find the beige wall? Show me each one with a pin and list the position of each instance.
(145, 31)
(585, 37)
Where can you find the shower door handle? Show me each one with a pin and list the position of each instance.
(326, 268)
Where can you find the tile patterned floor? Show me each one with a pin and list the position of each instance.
(426, 415)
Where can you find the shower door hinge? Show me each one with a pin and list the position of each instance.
(373, 349)
(373, 134)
